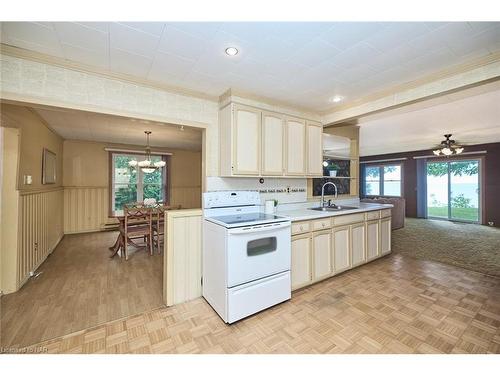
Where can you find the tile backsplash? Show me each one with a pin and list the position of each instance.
(285, 190)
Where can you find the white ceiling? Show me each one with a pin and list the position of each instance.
(88, 126)
(472, 116)
(301, 63)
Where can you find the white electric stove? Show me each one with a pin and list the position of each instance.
(246, 255)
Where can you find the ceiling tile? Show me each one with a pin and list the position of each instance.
(396, 34)
(153, 28)
(170, 65)
(129, 63)
(344, 35)
(359, 54)
(82, 36)
(132, 40)
(197, 29)
(314, 52)
(97, 58)
(178, 42)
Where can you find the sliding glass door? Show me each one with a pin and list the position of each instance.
(453, 190)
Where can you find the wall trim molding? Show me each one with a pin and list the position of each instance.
(381, 160)
(79, 67)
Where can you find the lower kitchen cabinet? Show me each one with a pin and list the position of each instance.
(341, 249)
(319, 252)
(301, 261)
(372, 239)
(385, 236)
(322, 254)
(358, 253)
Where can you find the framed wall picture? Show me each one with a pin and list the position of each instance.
(48, 167)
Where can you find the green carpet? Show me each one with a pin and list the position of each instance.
(471, 246)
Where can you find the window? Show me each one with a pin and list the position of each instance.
(382, 180)
(130, 184)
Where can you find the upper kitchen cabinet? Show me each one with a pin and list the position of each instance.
(240, 137)
(296, 147)
(314, 137)
(254, 142)
(273, 140)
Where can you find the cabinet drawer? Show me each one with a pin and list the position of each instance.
(301, 227)
(322, 224)
(348, 219)
(373, 215)
(385, 213)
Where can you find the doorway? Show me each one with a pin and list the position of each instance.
(454, 190)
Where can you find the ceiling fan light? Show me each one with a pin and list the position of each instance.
(144, 163)
(159, 164)
(446, 151)
(437, 152)
(148, 170)
(132, 163)
(459, 150)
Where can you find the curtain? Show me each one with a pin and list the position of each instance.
(422, 188)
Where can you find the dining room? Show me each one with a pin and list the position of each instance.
(114, 178)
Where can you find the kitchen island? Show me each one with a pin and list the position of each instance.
(326, 243)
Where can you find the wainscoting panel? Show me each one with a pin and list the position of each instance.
(85, 209)
(182, 256)
(187, 197)
(40, 229)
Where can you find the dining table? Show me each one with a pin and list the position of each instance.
(120, 216)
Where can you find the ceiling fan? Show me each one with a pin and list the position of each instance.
(448, 147)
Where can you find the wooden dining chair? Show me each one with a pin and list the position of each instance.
(138, 224)
(159, 225)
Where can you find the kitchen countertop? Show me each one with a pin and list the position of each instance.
(307, 214)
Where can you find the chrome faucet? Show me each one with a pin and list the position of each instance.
(323, 192)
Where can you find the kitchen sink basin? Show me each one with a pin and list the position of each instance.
(333, 208)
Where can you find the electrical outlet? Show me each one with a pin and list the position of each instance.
(288, 189)
(28, 180)
(491, 223)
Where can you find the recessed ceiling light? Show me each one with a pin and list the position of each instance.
(231, 51)
(336, 99)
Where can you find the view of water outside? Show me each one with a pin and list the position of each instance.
(464, 198)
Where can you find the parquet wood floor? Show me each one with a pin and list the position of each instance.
(80, 287)
(396, 304)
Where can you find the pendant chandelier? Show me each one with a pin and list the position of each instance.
(448, 147)
(146, 165)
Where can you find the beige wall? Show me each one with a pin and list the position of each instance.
(86, 182)
(35, 136)
(87, 163)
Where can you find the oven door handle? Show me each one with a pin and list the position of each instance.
(260, 228)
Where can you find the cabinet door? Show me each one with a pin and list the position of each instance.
(372, 239)
(301, 261)
(358, 253)
(314, 149)
(246, 141)
(295, 147)
(341, 249)
(322, 254)
(273, 137)
(385, 236)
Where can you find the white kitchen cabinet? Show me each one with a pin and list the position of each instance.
(246, 133)
(273, 140)
(385, 236)
(314, 138)
(372, 239)
(301, 261)
(358, 244)
(322, 254)
(341, 248)
(295, 147)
